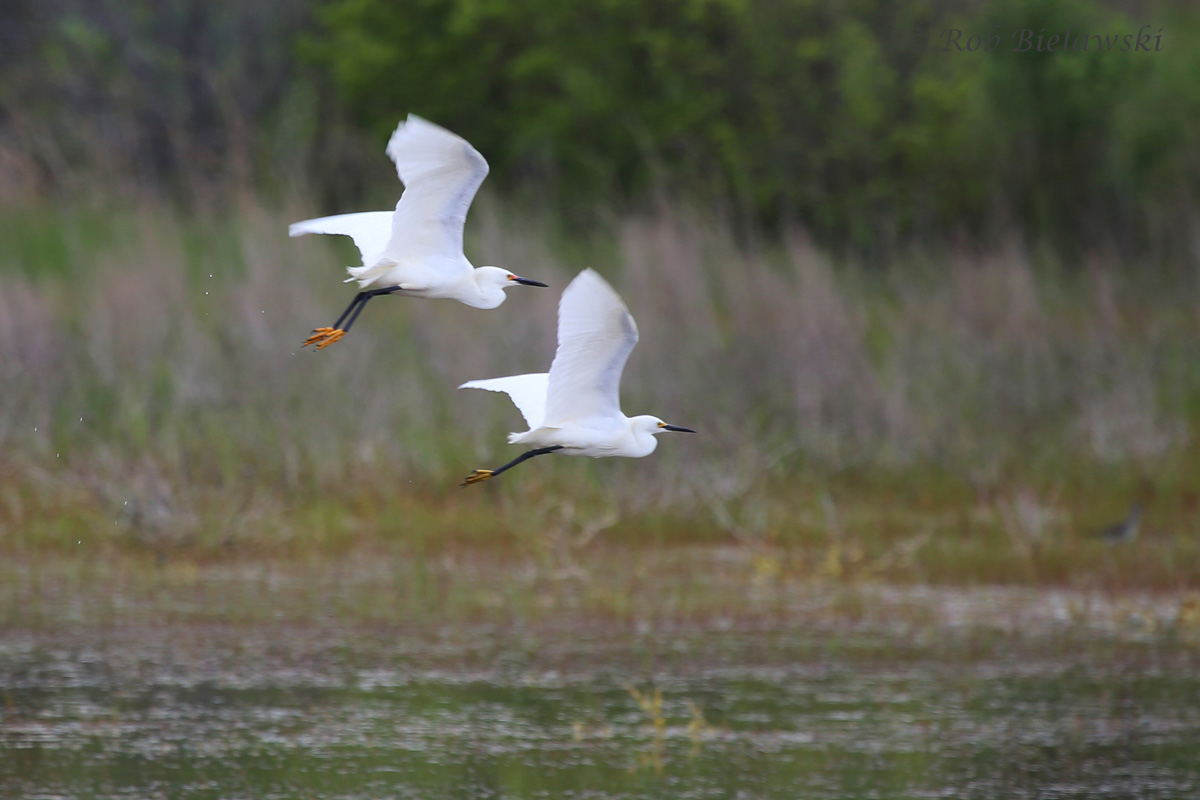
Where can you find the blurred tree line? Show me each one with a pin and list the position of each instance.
(859, 120)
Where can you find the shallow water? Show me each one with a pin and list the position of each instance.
(870, 692)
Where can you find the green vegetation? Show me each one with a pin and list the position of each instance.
(933, 314)
(821, 113)
(951, 420)
(860, 122)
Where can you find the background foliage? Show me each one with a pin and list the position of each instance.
(934, 312)
(934, 315)
(824, 115)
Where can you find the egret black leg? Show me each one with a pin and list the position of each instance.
(528, 454)
(361, 300)
(358, 298)
(480, 475)
(323, 337)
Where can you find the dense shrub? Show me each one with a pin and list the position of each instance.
(825, 113)
(828, 115)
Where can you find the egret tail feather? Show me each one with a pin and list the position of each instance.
(368, 275)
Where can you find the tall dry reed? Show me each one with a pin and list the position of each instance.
(154, 382)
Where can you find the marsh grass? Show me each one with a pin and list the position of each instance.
(950, 418)
(644, 597)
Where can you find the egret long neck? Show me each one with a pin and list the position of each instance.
(479, 294)
(644, 442)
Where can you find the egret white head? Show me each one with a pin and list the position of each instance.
(654, 425)
(644, 428)
(492, 281)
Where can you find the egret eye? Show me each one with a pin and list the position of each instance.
(512, 277)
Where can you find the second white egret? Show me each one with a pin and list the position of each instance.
(575, 408)
(417, 250)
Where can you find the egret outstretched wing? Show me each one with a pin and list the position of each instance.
(441, 173)
(596, 334)
(370, 231)
(416, 250)
(528, 393)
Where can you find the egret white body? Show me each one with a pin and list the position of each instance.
(417, 250)
(575, 408)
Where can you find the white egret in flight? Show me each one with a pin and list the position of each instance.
(417, 250)
(575, 408)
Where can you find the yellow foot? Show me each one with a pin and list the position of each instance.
(478, 476)
(323, 337)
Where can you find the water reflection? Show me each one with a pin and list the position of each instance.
(702, 712)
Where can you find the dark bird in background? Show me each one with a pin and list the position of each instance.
(1124, 531)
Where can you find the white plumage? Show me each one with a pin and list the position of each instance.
(417, 250)
(528, 393)
(575, 408)
(370, 230)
